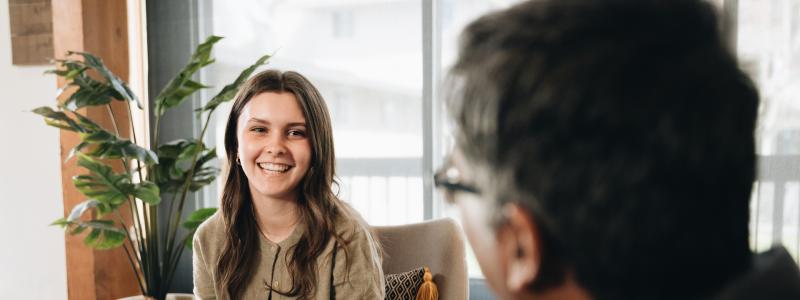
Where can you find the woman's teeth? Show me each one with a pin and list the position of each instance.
(274, 167)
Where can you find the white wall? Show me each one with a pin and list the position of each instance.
(32, 259)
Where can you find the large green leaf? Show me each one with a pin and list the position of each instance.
(85, 122)
(194, 220)
(100, 207)
(111, 188)
(147, 192)
(103, 234)
(123, 92)
(204, 175)
(229, 91)
(172, 149)
(70, 69)
(108, 145)
(189, 151)
(90, 92)
(102, 183)
(178, 95)
(175, 164)
(57, 119)
(198, 217)
(173, 157)
(182, 85)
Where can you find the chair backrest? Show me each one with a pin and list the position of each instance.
(438, 244)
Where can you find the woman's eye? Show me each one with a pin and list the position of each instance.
(299, 133)
(258, 129)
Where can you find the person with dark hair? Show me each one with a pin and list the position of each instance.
(605, 150)
(281, 232)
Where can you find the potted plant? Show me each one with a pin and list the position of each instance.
(166, 172)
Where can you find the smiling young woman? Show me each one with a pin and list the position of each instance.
(281, 232)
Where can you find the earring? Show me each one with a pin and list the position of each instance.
(238, 162)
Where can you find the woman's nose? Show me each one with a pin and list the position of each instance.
(276, 145)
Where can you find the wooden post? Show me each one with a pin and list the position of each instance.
(98, 27)
(31, 32)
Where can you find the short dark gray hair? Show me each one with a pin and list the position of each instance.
(625, 128)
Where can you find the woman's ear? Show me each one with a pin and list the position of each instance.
(520, 243)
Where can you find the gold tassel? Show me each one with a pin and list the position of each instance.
(428, 290)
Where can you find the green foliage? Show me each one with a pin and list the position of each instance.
(102, 143)
(90, 91)
(195, 219)
(198, 217)
(123, 92)
(107, 145)
(229, 91)
(57, 119)
(180, 87)
(170, 170)
(102, 236)
(102, 183)
(176, 165)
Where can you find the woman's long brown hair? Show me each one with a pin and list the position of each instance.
(319, 206)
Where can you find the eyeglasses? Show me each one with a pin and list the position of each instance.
(448, 178)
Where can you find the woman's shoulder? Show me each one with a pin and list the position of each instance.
(349, 223)
(211, 230)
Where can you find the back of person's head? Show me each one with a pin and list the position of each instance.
(625, 128)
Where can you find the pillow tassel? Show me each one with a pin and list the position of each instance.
(428, 289)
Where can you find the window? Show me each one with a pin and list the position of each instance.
(768, 48)
(366, 59)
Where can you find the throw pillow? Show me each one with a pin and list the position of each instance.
(404, 286)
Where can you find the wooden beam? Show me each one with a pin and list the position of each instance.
(98, 27)
(31, 31)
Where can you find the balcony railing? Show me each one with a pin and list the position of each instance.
(386, 191)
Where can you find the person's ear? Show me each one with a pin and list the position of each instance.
(522, 248)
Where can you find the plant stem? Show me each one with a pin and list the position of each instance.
(116, 131)
(133, 266)
(133, 135)
(174, 265)
(140, 240)
(155, 132)
(150, 263)
(140, 243)
(143, 243)
(154, 248)
(186, 184)
(113, 118)
(156, 267)
(169, 213)
(128, 254)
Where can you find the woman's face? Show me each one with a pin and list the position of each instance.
(274, 148)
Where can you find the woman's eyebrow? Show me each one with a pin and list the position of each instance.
(257, 120)
(262, 121)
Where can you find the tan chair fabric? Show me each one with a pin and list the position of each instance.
(438, 244)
